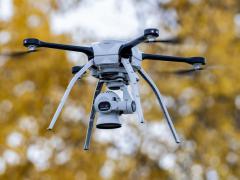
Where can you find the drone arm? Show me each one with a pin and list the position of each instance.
(189, 60)
(134, 86)
(69, 88)
(92, 115)
(125, 49)
(160, 100)
(31, 42)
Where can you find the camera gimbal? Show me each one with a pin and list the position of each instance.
(115, 64)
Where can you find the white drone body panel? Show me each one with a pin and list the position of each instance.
(106, 54)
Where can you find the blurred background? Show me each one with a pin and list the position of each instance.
(205, 105)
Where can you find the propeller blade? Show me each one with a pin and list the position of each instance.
(16, 54)
(214, 67)
(193, 71)
(169, 41)
(185, 71)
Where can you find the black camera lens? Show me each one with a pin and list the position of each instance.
(104, 106)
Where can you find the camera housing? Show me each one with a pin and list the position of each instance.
(110, 107)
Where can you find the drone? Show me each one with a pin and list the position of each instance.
(115, 64)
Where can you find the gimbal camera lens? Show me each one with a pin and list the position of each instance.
(104, 106)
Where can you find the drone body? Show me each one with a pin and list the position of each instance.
(115, 64)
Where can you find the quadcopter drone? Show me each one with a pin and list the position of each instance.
(115, 64)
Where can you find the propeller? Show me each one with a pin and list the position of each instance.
(194, 70)
(169, 41)
(16, 54)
